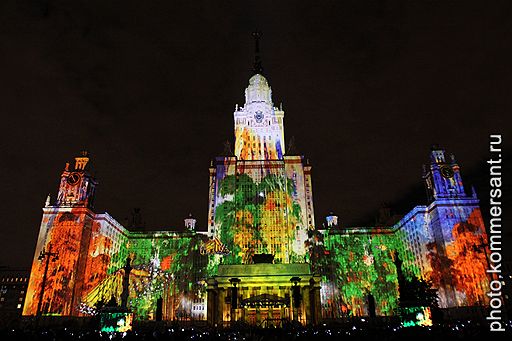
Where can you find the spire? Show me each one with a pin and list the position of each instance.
(258, 68)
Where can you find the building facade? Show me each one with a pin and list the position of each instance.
(261, 257)
(444, 243)
(13, 286)
(261, 199)
(80, 259)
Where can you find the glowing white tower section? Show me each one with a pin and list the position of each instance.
(259, 130)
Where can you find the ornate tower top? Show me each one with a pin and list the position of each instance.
(259, 126)
(77, 187)
(442, 177)
(82, 160)
(258, 90)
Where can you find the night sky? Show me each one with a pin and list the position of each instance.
(149, 89)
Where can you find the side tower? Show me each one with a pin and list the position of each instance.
(442, 177)
(58, 269)
(457, 251)
(260, 197)
(77, 186)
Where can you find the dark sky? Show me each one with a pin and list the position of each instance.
(149, 88)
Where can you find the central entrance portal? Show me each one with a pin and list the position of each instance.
(264, 295)
(265, 310)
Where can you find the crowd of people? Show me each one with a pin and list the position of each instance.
(455, 331)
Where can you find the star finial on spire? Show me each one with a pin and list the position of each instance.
(258, 68)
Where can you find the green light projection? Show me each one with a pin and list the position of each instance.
(355, 266)
(258, 217)
(164, 268)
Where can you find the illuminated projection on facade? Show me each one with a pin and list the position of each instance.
(260, 256)
(260, 200)
(88, 255)
(443, 243)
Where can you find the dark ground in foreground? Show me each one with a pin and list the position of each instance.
(458, 331)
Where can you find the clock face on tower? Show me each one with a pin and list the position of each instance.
(258, 116)
(73, 178)
(446, 171)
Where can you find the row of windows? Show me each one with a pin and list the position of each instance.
(266, 122)
(253, 138)
(14, 279)
(2, 299)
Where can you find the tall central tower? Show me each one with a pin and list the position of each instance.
(260, 198)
